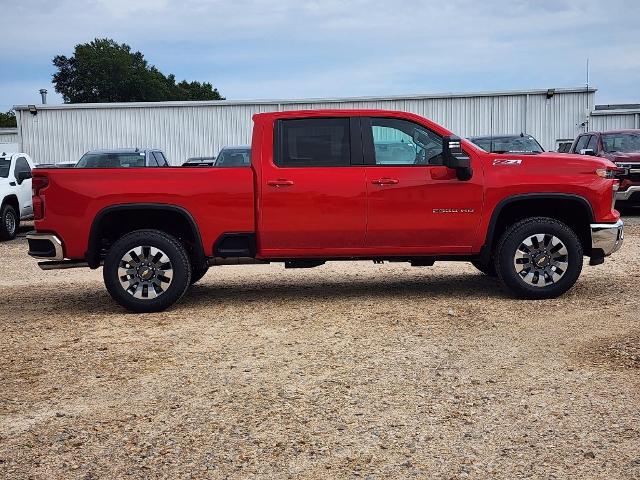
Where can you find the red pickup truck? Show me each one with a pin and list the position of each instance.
(332, 185)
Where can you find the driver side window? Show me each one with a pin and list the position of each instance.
(400, 142)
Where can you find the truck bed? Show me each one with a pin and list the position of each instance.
(218, 199)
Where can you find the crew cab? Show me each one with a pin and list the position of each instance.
(15, 192)
(622, 147)
(326, 185)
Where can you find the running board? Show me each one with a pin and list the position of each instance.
(62, 264)
(217, 261)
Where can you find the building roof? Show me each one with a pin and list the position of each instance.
(302, 100)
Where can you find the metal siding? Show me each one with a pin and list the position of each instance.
(184, 130)
(612, 122)
(9, 135)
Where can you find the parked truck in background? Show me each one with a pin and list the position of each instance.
(332, 185)
(622, 147)
(15, 192)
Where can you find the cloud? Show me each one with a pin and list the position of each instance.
(265, 49)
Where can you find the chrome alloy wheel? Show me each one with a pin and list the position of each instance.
(541, 260)
(145, 272)
(10, 222)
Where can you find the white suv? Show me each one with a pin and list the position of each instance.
(15, 192)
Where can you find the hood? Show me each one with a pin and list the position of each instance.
(622, 157)
(573, 158)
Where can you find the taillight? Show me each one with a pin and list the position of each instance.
(38, 183)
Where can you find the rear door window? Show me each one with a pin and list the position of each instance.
(316, 142)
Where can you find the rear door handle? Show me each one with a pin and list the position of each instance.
(385, 181)
(281, 182)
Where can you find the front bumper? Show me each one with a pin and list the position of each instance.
(606, 238)
(626, 194)
(45, 246)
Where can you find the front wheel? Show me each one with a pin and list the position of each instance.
(147, 271)
(539, 258)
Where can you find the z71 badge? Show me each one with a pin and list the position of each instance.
(507, 162)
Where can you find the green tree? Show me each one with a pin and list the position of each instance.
(8, 120)
(105, 71)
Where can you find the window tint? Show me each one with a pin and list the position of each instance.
(153, 162)
(22, 165)
(5, 164)
(318, 142)
(400, 142)
(234, 157)
(621, 142)
(582, 143)
(111, 160)
(160, 158)
(593, 143)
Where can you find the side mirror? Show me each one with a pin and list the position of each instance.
(456, 158)
(587, 151)
(22, 176)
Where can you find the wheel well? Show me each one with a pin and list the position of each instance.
(573, 211)
(13, 201)
(112, 223)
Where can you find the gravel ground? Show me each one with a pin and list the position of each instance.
(343, 371)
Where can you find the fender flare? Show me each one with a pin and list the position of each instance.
(92, 255)
(485, 251)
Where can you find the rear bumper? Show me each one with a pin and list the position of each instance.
(45, 246)
(625, 195)
(607, 238)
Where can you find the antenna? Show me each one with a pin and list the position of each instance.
(587, 72)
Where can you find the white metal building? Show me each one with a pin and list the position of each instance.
(62, 133)
(615, 117)
(9, 140)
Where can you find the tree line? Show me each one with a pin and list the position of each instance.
(103, 71)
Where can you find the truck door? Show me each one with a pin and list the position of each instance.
(414, 203)
(23, 187)
(312, 188)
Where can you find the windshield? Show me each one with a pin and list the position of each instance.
(621, 142)
(234, 157)
(111, 160)
(517, 144)
(5, 164)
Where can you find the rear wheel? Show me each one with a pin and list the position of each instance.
(147, 271)
(9, 222)
(539, 258)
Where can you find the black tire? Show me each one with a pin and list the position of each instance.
(511, 244)
(197, 273)
(9, 222)
(180, 268)
(488, 269)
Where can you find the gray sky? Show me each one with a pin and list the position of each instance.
(252, 49)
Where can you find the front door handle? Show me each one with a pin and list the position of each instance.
(385, 181)
(281, 182)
